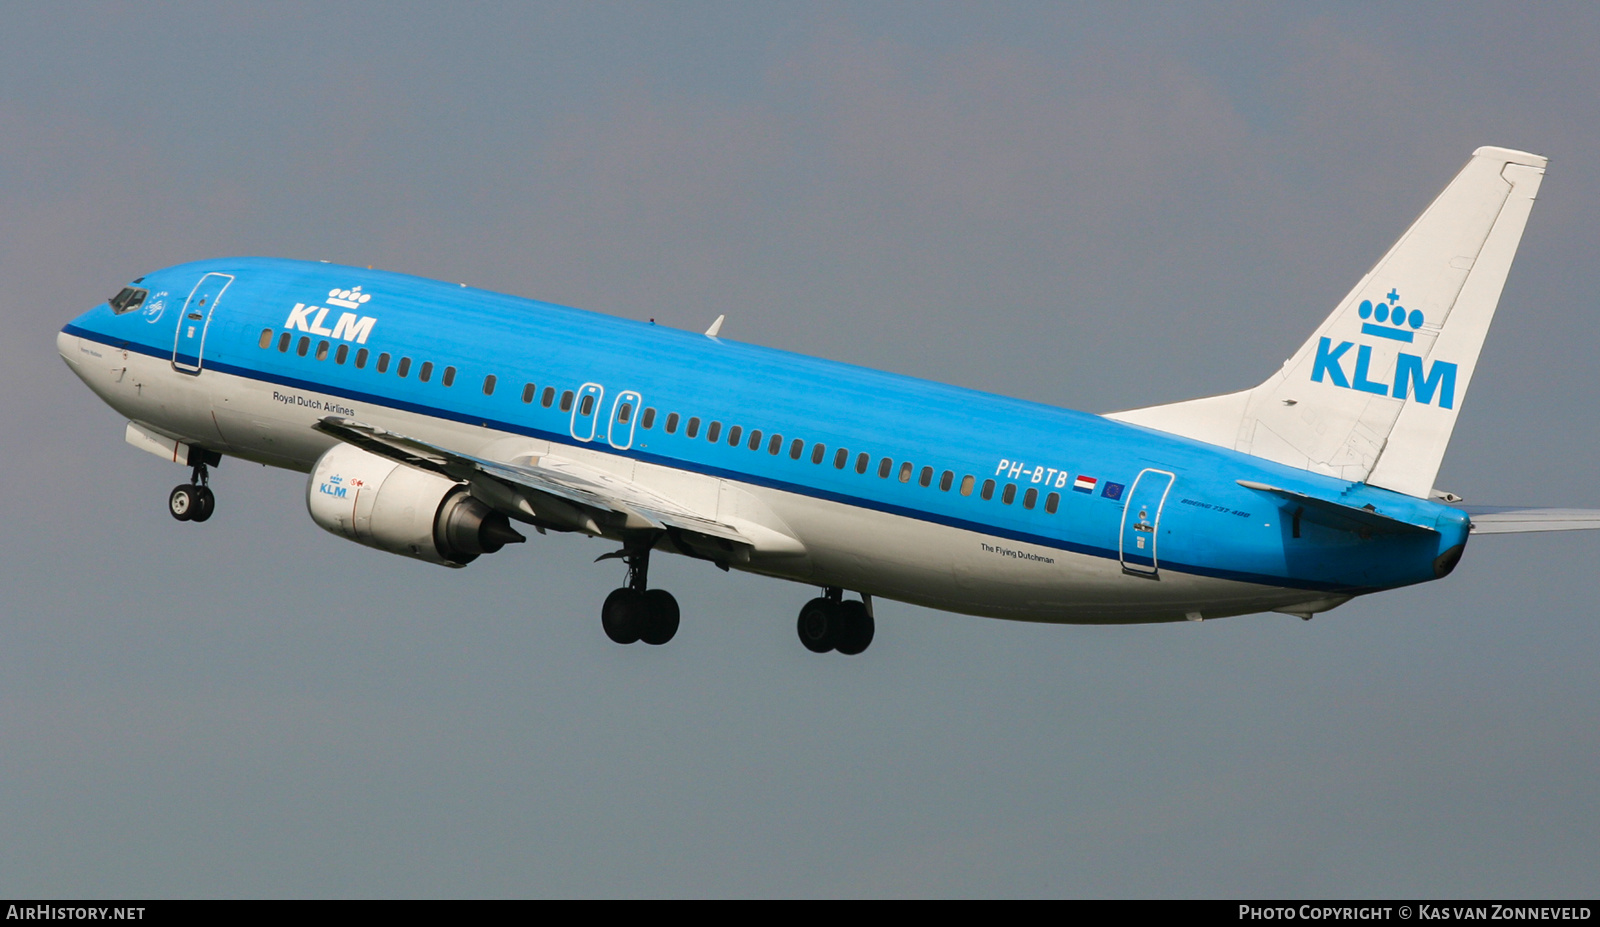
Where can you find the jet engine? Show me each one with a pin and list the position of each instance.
(375, 501)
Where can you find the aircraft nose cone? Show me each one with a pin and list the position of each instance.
(67, 346)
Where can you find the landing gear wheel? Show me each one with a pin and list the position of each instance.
(636, 612)
(183, 502)
(660, 617)
(817, 625)
(623, 615)
(205, 502)
(856, 628)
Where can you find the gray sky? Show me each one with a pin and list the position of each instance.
(1095, 206)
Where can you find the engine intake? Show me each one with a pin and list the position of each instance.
(375, 501)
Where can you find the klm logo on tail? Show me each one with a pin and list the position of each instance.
(349, 327)
(1412, 378)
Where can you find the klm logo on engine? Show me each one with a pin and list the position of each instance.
(349, 326)
(1413, 378)
(337, 487)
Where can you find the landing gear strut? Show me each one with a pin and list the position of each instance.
(634, 612)
(831, 623)
(194, 500)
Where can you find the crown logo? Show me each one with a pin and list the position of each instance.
(352, 299)
(1401, 325)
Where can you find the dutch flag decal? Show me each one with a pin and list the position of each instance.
(1083, 484)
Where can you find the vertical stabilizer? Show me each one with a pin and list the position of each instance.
(1374, 394)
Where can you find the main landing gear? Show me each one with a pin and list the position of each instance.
(194, 500)
(831, 623)
(634, 613)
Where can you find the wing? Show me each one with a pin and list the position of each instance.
(1506, 519)
(559, 493)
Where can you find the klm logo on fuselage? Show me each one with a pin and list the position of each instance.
(1413, 378)
(349, 326)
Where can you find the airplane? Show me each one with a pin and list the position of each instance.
(432, 417)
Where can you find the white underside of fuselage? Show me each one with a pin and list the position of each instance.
(854, 548)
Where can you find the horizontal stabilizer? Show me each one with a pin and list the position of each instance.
(1338, 515)
(1502, 519)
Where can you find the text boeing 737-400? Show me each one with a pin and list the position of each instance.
(431, 417)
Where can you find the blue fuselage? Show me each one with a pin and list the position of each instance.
(1033, 480)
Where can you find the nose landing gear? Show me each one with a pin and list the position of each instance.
(194, 500)
(828, 622)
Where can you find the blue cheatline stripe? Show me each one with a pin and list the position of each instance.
(562, 438)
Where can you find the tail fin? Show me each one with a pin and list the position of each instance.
(1373, 396)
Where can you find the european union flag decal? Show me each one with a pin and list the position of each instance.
(1113, 491)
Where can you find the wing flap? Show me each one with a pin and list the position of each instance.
(571, 483)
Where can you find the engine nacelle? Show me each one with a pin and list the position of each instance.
(375, 501)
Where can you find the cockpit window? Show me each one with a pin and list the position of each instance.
(128, 300)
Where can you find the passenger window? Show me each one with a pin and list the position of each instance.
(548, 397)
(528, 392)
(1029, 498)
(774, 445)
(840, 458)
(796, 448)
(672, 423)
(945, 480)
(383, 362)
(885, 466)
(303, 346)
(283, 342)
(586, 407)
(625, 412)
(925, 477)
(1051, 501)
(693, 428)
(713, 432)
(988, 490)
(266, 337)
(322, 350)
(361, 359)
(648, 419)
(1009, 494)
(566, 401)
(426, 371)
(966, 485)
(449, 378)
(905, 472)
(755, 440)
(817, 450)
(488, 385)
(403, 368)
(863, 460)
(734, 434)
(341, 354)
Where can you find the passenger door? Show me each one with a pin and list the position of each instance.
(1141, 522)
(189, 343)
